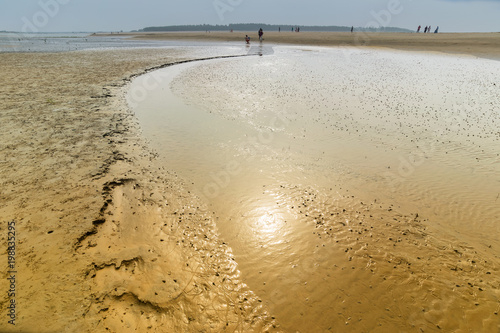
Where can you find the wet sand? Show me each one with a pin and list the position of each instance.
(300, 155)
(109, 239)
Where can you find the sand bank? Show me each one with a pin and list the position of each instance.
(486, 45)
(105, 239)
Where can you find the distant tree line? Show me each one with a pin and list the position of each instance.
(266, 27)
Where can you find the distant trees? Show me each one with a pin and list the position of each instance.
(266, 27)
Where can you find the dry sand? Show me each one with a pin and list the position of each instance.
(107, 240)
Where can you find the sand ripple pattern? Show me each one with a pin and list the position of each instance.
(425, 127)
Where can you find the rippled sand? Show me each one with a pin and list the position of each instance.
(358, 188)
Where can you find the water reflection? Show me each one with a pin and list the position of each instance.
(359, 262)
(269, 227)
(260, 49)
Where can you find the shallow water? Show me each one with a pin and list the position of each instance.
(64, 42)
(356, 187)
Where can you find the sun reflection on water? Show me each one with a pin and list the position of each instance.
(268, 227)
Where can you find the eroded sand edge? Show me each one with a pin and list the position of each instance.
(106, 240)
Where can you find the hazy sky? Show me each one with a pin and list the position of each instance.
(115, 15)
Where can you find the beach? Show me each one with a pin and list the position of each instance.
(111, 237)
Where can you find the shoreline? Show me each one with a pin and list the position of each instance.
(483, 45)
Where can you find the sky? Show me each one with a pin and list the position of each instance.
(127, 15)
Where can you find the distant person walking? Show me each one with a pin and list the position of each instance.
(418, 29)
(261, 33)
(352, 29)
(429, 30)
(425, 30)
(247, 39)
(436, 31)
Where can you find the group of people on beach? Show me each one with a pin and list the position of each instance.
(261, 34)
(427, 29)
